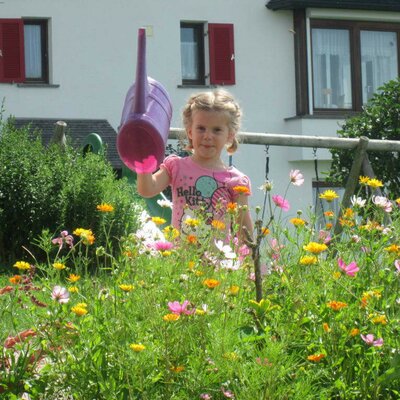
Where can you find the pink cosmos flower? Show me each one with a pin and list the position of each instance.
(350, 269)
(176, 308)
(325, 236)
(296, 177)
(161, 245)
(383, 203)
(281, 202)
(227, 393)
(60, 294)
(370, 340)
(397, 265)
(64, 238)
(205, 396)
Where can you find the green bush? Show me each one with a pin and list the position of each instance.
(56, 189)
(380, 119)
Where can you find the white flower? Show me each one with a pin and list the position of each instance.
(266, 186)
(357, 201)
(296, 177)
(165, 203)
(383, 203)
(226, 249)
(230, 265)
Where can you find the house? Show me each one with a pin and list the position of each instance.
(297, 67)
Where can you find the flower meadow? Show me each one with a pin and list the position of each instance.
(293, 313)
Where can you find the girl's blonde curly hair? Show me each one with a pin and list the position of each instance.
(217, 100)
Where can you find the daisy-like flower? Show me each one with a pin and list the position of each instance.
(170, 232)
(73, 278)
(379, 319)
(296, 177)
(234, 290)
(382, 202)
(281, 202)
(171, 317)
(225, 249)
(363, 180)
(80, 309)
(354, 332)
(357, 201)
(297, 221)
(192, 222)
(177, 308)
(336, 305)
(126, 288)
(329, 195)
(60, 294)
(241, 190)
(374, 183)
(59, 266)
(397, 201)
(86, 235)
(316, 357)
(308, 260)
(315, 248)
(211, 283)
(370, 340)
(22, 265)
(158, 220)
(105, 208)
(137, 347)
(164, 203)
(231, 208)
(218, 225)
(329, 214)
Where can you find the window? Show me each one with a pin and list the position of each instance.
(349, 61)
(24, 54)
(219, 56)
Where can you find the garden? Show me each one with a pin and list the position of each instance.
(100, 300)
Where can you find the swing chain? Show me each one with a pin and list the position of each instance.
(266, 161)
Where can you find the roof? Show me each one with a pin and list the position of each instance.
(77, 130)
(375, 5)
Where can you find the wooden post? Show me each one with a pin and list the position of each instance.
(352, 180)
(59, 134)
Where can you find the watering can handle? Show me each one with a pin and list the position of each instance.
(141, 83)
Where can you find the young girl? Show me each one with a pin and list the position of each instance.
(211, 120)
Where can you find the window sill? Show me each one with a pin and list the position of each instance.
(335, 115)
(196, 86)
(38, 85)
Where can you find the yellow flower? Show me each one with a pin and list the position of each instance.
(191, 265)
(191, 222)
(393, 248)
(315, 248)
(166, 253)
(398, 201)
(348, 213)
(297, 221)
(85, 234)
(379, 319)
(328, 225)
(83, 305)
(158, 220)
(374, 183)
(363, 180)
(231, 356)
(326, 327)
(308, 260)
(22, 265)
(231, 208)
(170, 232)
(234, 290)
(316, 357)
(104, 207)
(200, 311)
(73, 289)
(354, 332)
(177, 369)
(336, 275)
(265, 231)
(241, 190)
(329, 195)
(79, 310)
(211, 283)
(219, 225)
(126, 288)
(73, 278)
(59, 266)
(336, 305)
(170, 317)
(198, 273)
(137, 347)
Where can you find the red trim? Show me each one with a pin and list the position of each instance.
(222, 54)
(12, 60)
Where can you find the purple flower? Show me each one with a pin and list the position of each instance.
(350, 269)
(176, 308)
(296, 177)
(60, 294)
(281, 202)
(370, 340)
(64, 238)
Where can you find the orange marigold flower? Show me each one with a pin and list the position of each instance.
(336, 305)
(171, 317)
(393, 248)
(329, 214)
(85, 234)
(177, 369)
(242, 190)
(316, 357)
(328, 225)
(354, 332)
(346, 222)
(211, 283)
(15, 280)
(265, 231)
(73, 278)
(326, 327)
(192, 239)
(364, 302)
(297, 221)
(217, 224)
(348, 213)
(379, 319)
(104, 207)
(232, 208)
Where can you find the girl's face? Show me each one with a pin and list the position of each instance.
(209, 132)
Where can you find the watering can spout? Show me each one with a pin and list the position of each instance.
(141, 83)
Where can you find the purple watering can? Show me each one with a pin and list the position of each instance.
(146, 117)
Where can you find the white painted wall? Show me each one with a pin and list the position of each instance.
(93, 60)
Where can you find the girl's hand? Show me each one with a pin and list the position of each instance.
(147, 166)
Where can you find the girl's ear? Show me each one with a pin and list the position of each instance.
(189, 133)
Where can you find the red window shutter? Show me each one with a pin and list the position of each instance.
(222, 54)
(12, 60)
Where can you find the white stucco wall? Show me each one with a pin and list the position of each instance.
(93, 60)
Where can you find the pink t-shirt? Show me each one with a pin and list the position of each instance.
(195, 186)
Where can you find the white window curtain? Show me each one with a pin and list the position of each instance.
(378, 60)
(33, 51)
(189, 60)
(331, 68)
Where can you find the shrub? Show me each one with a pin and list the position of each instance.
(380, 119)
(54, 188)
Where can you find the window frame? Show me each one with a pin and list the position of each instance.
(303, 61)
(43, 24)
